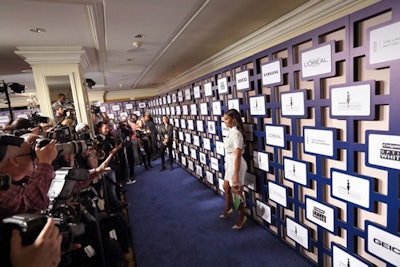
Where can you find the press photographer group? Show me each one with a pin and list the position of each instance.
(72, 176)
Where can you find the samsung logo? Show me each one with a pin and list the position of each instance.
(275, 72)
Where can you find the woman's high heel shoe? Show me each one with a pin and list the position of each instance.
(238, 227)
(225, 215)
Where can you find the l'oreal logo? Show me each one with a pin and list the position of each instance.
(387, 246)
(315, 62)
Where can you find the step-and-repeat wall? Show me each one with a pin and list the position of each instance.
(322, 136)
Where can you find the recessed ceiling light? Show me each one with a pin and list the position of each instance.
(137, 44)
(37, 30)
(139, 35)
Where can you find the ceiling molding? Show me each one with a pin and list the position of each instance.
(54, 55)
(305, 18)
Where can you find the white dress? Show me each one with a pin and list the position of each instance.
(234, 140)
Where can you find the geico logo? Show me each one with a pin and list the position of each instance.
(387, 246)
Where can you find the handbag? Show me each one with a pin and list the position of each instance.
(237, 200)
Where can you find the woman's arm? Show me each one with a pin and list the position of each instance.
(238, 154)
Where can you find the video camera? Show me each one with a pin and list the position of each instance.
(94, 109)
(66, 216)
(36, 119)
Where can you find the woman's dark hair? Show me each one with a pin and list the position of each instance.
(233, 113)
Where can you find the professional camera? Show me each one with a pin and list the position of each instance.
(65, 215)
(5, 181)
(72, 147)
(36, 119)
(94, 109)
(89, 140)
(62, 133)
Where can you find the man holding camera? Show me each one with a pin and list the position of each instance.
(30, 172)
(18, 162)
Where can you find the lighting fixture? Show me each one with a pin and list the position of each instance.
(137, 44)
(37, 30)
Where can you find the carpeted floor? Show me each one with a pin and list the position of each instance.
(174, 222)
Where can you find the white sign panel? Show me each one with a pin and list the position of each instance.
(351, 100)
(223, 85)
(208, 89)
(211, 127)
(295, 171)
(199, 171)
(318, 141)
(196, 140)
(204, 108)
(214, 163)
(220, 147)
(257, 105)
(233, 104)
(317, 61)
(297, 232)
(242, 80)
(343, 259)
(277, 193)
(193, 153)
(250, 181)
(384, 44)
(351, 188)
(203, 158)
(209, 177)
(196, 92)
(206, 144)
(216, 107)
(384, 245)
(193, 109)
(263, 211)
(320, 214)
(275, 135)
(261, 160)
(190, 125)
(293, 104)
(384, 150)
(187, 94)
(200, 126)
(271, 73)
(188, 138)
(115, 108)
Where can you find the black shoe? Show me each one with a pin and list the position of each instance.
(150, 165)
(163, 168)
(146, 167)
(170, 167)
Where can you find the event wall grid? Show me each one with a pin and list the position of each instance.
(322, 136)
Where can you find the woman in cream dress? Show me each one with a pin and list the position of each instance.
(235, 165)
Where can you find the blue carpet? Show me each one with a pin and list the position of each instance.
(174, 222)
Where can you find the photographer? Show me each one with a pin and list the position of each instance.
(144, 144)
(111, 143)
(44, 252)
(30, 172)
(125, 132)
